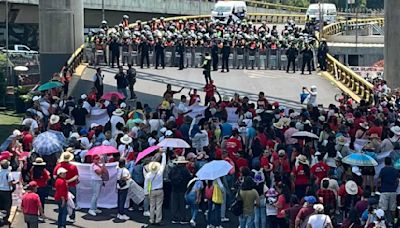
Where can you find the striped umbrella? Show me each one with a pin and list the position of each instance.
(359, 159)
(47, 143)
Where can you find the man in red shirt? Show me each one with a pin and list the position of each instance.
(320, 169)
(305, 211)
(31, 205)
(233, 146)
(27, 139)
(72, 176)
(61, 196)
(210, 89)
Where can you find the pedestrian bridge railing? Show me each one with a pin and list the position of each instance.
(358, 87)
(268, 5)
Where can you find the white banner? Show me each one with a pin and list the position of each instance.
(108, 194)
(99, 116)
(233, 118)
(135, 193)
(196, 110)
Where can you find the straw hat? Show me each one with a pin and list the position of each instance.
(303, 159)
(319, 208)
(321, 118)
(351, 187)
(202, 155)
(93, 125)
(341, 140)
(374, 136)
(61, 170)
(281, 153)
(54, 119)
(395, 130)
(364, 125)
(66, 157)
(126, 139)
(69, 121)
(154, 166)
(190, 156)
(278, 125)
(118, 112)
(180, 160)
(39, 162)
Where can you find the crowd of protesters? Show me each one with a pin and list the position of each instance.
(276, 180)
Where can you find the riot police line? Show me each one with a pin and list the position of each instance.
(239, 57)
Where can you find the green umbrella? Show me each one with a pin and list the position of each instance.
(50, 85)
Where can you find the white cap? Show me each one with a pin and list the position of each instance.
(168, 133)
(61, 170)
(356, 170)
(17, 132)
(94, 125)
(35, 98)
(83, 96)
(122, 105)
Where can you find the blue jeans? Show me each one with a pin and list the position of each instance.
(191, 201)
(260, 214)
(62, 214)
(246, 221)
(122, 194)
(96, 188)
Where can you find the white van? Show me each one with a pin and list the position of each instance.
(329, 12)
(224, 9)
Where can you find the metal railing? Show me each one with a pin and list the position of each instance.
(74, 61)
(361, 88)
(268, 5)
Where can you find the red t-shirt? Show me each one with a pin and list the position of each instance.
(320, 171)
(42, 181)
(282, 201)
(241, 162)
(61, 189)
(27, 141)
(301, 177)
(30, 203)
(210, 90)
(72, 171)
(375, 130)
(233, 145)
(263, 140)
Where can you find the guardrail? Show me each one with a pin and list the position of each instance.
(268, 5)
(361, 88)
(74, 61)
(338, 27)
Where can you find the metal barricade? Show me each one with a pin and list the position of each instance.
(231, 61)
(152, 57)
(99, 54)
(188, 57)
(125, 54)
(89, 54)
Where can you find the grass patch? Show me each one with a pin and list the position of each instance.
(8, 122)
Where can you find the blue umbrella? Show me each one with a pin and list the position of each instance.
(6, 143)
(60, 136)
(359, 159)
(47, 143)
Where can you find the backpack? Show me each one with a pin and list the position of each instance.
(237, 205)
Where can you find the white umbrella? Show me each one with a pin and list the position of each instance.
(304, 134)
(214, 170)
(174, 143)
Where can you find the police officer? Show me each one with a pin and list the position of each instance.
(307, 57)
(291, 54)
(214, 56)
(114, 48)
(226, 50)
(159, 49)
(131, 77)
(180, 49)
(322, 52)
(144, 49)
(207, 67)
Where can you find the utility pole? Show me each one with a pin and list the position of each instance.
(103, 15)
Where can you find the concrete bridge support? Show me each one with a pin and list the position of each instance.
(392, 43)
(60, 32)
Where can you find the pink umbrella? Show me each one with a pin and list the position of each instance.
(109, 95)
(146, 152)
(100, 150)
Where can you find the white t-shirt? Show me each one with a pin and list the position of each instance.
(319, 220)
(114, 120)
(123, 151)
(44, 106)
(93, 174)
(155, 124)
(87, 106)
(270, 209)
(123, 172)
(110, 142)
(85, 143)
(32, 123)
(312, 99)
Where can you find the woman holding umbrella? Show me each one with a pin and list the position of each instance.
(96, 173)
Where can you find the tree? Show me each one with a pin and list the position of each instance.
(3, 60)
